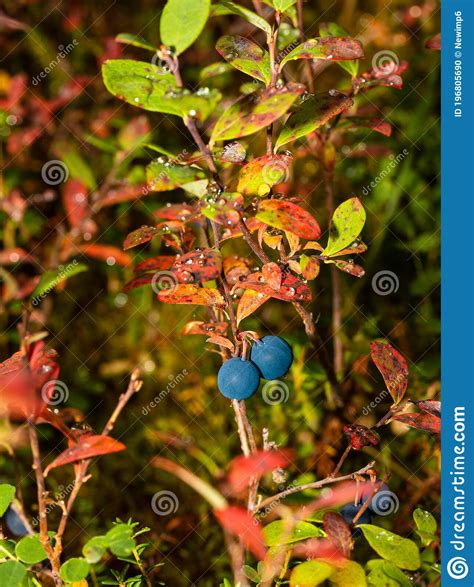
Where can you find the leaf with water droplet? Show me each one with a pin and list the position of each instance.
(400, 551)
(310, 114)
(246, 56)
(289, 217)
(255, 112)
(262, 173)
(331, 29)
(332, 48)
(182, 21)
(152, 88)
(192, 294)
(167, 176)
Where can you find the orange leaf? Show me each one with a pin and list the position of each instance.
(289, 217)
(249, 302)
(106, 253)
(191, 294)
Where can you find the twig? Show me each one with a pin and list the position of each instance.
(41, 496)
(345, 454)
(314, 485)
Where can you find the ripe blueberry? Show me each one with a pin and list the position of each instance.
(381, 502)
(273, 356)
(349, 512)
(238, 379)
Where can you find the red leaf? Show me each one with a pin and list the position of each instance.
(434, 44)
(425, 421)
(289, 217)
(106, 253)
(339, 532)
(141, 235)
(360, 436)
(291, 289)
(124, 193)
(74, 194)
(238, 522)
(161, 263)
(183, 212)
(197, 266)
(320, 548)
(88, 446)
(340, 495)
(243, 469)
(430, 406)
(350, 268)
(236, 268)
(393, 368)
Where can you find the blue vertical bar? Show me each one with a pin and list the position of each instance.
(457, 439)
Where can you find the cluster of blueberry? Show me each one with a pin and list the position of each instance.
(349, 511)
(270, 358)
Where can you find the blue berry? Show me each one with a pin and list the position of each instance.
(15, 523)
(238, 379)
(349, 512)
(273, 356)
(382, 501)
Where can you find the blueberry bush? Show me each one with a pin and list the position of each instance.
(220, 232)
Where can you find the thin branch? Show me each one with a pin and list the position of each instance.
(314, 485)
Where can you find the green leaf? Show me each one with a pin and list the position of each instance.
(331, 48)
(79, 168)
(331, 29)
(7, 549)
(351, 573)
(94, 549)
(152, 88)
(246, 56)
(214, 69)
(283, 5)
(120, 540)
(12, 574)
(387, 574)
(163, 175)
(254, 112)
(75, 569)
(346, 225)
(182, 21)
(310, 573)
(7, 493)
(313, 112)
(30, 550)
(136, 41)
(225, 7)
(276, 533)
(426, 525)
(400, 551)
(51, 279)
